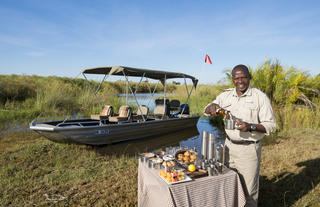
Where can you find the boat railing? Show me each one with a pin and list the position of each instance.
(40, 118)
(81, 124)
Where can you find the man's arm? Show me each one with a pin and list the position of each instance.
(266, 117)
(211, 109)
(247, 127)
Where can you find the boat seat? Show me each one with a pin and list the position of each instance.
(142, 111)
(124, 114)
(160, 101)
(106, 111)
(174, 104)
(161, 111)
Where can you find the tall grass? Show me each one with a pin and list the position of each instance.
(292, 118)
(22, 98)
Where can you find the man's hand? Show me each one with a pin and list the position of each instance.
(212, 109)
(242, 126)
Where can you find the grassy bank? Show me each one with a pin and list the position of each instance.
(290, 171)
(37, 172)
(22, 98)
(34, 171)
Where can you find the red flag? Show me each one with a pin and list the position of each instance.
(207, 59)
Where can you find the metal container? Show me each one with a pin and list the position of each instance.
(211, 146)
(210, 171)
(219, 153)
(219, 167)
(145, 159)
(229, 124)
(204, 147)
(204, 164)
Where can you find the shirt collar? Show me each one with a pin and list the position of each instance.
(247, 93)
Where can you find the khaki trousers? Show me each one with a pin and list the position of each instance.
(246, 160)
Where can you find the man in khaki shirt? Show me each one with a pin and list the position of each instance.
(254, 119)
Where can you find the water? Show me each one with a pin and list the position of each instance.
(143, 99)
(190, 142)
(203, 125)
(190, 138)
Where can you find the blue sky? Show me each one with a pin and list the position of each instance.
(61, 38)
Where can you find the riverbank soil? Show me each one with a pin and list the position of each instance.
(38, 172)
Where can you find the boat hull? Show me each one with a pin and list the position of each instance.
(112, 133)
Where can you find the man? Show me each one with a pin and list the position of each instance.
(254, 119)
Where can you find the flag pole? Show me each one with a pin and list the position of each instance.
(202, 69)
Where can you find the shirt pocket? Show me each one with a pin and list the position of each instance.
(251, 113)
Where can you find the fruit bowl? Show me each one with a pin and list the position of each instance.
(186, 156)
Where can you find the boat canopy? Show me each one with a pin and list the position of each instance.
(138, 72)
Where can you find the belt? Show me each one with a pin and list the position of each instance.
(243, 142)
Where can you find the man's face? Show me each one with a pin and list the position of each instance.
(241, 80)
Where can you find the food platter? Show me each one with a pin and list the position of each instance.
(183, 177)
(182, 181)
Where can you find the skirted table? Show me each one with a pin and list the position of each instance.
(220, 190)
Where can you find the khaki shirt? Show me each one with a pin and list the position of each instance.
(252, 107)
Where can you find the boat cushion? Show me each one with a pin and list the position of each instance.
(124, 114)
(106, 111)
(142, 110)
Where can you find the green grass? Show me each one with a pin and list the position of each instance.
(35, 171)
(290, 171)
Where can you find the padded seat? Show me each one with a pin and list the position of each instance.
(142, 111)
(174, 105)
(124, 115)
(161, 111)
(106, 111)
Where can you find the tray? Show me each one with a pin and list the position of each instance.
(187, 179)
(196, 174)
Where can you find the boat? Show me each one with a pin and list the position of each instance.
(107, 128)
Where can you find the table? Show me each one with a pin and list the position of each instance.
(220, 190)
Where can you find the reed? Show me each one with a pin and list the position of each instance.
(292, 118)
(22, 98)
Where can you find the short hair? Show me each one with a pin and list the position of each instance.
(241, 67)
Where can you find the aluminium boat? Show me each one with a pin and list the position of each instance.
(106, 128)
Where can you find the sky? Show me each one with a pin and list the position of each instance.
(63, 37)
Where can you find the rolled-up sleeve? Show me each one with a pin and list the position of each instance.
(266, 116)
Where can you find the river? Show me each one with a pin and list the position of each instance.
(191, 137)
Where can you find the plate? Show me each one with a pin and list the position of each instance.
(168, 157)
(156, 160)
(187, 179)
(148, 154)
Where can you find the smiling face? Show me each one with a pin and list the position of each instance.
(241, 80)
